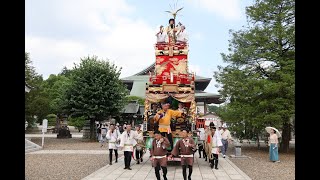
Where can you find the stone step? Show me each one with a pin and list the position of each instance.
(32, 149)
(30, 146)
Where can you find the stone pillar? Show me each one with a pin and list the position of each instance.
(237, 149)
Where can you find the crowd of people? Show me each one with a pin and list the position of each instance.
(121, 137)
(212, 141)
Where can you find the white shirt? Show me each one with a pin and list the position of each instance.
(225, 135)
(103, 130)
(202, 135)
(216, 143)
(161, 37)
(140, 135)
(113, 138)
(182, 36)
(128, 141)
(218, 135)
(273, 139)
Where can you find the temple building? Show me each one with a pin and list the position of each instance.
(136, 84)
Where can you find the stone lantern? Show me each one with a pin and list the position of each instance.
(63, 131)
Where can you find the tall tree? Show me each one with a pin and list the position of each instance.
(36, 102)
(65, 72)
(260, 76)
(95, 91)
(54, 88)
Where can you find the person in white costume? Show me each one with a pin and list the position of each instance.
(161, 35)
(201, 136)
(216, 147)
(113, 135)
(182, 35)
(128, 140)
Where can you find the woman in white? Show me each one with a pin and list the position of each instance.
(113, 135)
(273, 146)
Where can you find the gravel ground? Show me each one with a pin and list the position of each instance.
(67, 144)
(258, 167)
(64, 166)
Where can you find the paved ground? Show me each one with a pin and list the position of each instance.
(78, 135)
(70, 152)
(201, 171)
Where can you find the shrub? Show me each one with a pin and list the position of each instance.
(77, 122)
(51, 119)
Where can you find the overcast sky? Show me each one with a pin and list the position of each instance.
(60, 32)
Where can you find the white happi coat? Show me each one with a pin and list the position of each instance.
(216, 143)
(182, 36)
(113, 138)
(127, 142)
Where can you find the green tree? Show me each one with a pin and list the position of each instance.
(51, 119)
(259, 79)
(95, 91)
(77, 122)
(36, 101)
(54, 88)
(213, 108)
(66, 72)
(135, 98)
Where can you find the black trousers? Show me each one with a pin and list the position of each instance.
(200, 149)
(139, 154)
(115, 153)
(204, 152)
(169, 136)
(214, 161)
(164, 170)
(184, 172)
(127, 158)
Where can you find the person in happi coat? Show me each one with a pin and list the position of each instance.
(140, 144)
(185, 147)
(113, 135)
(201, 136)
(128, 140)
(163, 117)
(207, 142)
(159, 154)
(216, 146)
(182, 35)
(162, 36)
(171, 31)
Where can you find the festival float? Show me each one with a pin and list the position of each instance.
(171, 81)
